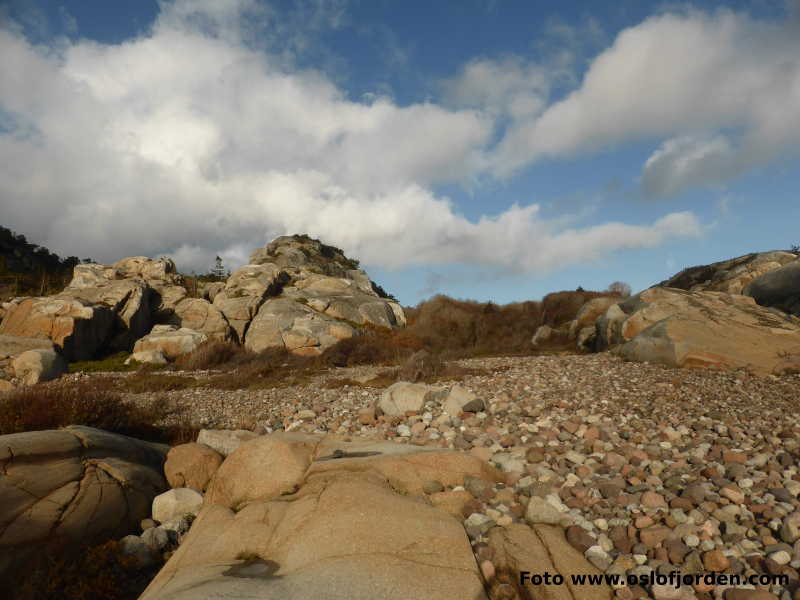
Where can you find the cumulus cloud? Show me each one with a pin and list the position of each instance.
(193, 140)
(680, 76)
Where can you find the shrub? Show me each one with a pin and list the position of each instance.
(114, 362)
(51, 406)
(211, 354)
(93, 573)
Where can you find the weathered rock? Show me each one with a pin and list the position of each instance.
(78, 328)
(132, 546)
(703, 329)
(150, 357)
(162, 270)
(210, 289)
(402, 397)
(323, 518)
(539, 550)
(779, 288)
(34, 366)
(12, 345)
(290, 324)
(245, 291)
(460, 399)
(201, 316)
(191, 465)
(224, 441)
(730, 276)
(74, 486)
(170, 340)
(589, 313)
(176, 503)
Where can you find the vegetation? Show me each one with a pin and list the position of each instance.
(114, 362)
(94, 404)
(94, 573)
(28, 269)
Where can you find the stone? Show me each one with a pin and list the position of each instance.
(175, 503)
(542, 512)
(403, 396)
(653, 500)
(79, 485)
(13, 345)
(156, 538)
(191, 465)
(149, 357)
(588, 314)
(460, 400)
(33, 366)
(579, 538)
(349, 528)
(598, 557)
(671, 327)
(132, 546)
(224, 441)
(170, 340)
(200, 315)
(544, 549)
(715, 561)
(78, 328)
(778, 287)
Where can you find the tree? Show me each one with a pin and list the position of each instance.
(621, 288)
(218, 270)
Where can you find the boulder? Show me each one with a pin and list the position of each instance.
(548, 337)
(291, 324)
(224, 441)
(150, 357)
(34, 366)
(77, 327)
(245, 291)
(73, 486)
(589, 313)
(13, 345)
(302, 516)
(704, 330)
(176, 503)
(779, 288)
(539, 550)
(191, 465)
(210, 289)
(403, 396)
(460, 400)
(202, 316)
(162, 270)
(170, 340)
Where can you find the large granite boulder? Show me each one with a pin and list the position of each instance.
(78, 328)
(301, 516)
(70, 487)
(779, 288)
(12, 346)
(702, 329)
(170, 340)
(730, 276)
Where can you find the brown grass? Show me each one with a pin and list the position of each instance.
(57, 405)
(212, 354)
(93, 573)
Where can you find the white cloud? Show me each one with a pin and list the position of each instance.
(678, 76)
(192, 140)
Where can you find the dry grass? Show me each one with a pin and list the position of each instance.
(57, 405)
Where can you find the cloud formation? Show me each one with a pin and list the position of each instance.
(723, 88)
(194, 140)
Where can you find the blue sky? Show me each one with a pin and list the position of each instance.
(485, 149)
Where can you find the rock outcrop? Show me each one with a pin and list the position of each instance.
(300, 294)
(72, 486)
(702, 329)
(779, 288)
(33, 366)
(299, 516)
(730, 276)
(170, 341)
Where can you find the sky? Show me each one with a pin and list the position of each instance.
(493, 150)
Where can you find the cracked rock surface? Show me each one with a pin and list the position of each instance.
(75, 485)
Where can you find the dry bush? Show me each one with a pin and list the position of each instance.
(212, 354)
(93, 573)
(274, 367)
(377, 347)
(463, 328)
(559, 308)
(421, 366)
(57, 405)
